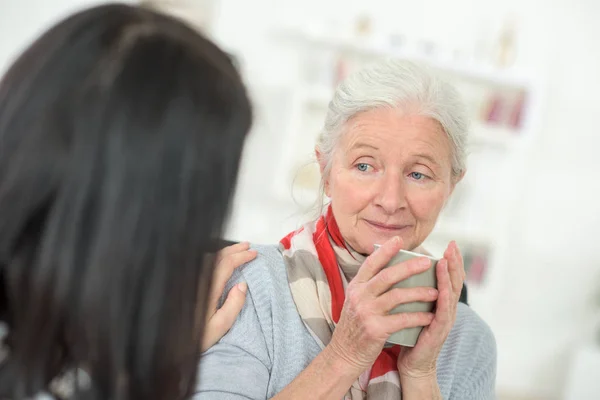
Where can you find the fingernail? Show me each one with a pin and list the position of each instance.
(425, 262)
(432, 292)
(242, 287)
(396, 239)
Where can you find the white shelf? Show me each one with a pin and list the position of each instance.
(467, 70)
(496, 136)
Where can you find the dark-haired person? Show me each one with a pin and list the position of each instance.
(121, 131)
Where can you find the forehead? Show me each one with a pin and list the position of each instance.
(391, 131)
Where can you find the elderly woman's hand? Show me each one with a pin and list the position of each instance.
(220, 320)
(420, 361)
(364, 324)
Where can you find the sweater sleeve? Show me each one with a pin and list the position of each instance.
(239, 365)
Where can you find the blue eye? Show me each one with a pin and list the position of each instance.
(417, 176)
(362, 167)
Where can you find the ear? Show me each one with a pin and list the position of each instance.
(322, 164)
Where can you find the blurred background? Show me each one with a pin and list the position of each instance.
(526, 216)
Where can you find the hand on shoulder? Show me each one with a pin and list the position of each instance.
(220, 320)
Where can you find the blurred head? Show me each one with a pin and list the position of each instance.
(120, 136)
(391, 152)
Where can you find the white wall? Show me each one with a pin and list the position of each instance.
(545, 312)
(558, 224)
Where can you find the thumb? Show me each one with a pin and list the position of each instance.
(224, 318)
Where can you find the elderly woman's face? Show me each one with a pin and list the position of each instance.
(390, 176)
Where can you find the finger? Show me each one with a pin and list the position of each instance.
(437, 331)
(234, 248)
(461, 265)
(455, 267)
(384, 279)
(396, 322)
(461, 261)
(223, 273)
(235, 260)
(225, 267)
(444, 304)
(225, 317)
(396, 296)
(378, 259)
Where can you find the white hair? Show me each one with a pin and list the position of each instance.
(396, 84)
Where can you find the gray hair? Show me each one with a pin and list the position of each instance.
(397, 84)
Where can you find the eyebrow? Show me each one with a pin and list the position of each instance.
(429, 158)
(360, 145)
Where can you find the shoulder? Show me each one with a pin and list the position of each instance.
(267, 267)
(263, 277)
(471, 329)
(266, 273)
(247, 350)
(268, 264)
(266, 277)
(469, 356)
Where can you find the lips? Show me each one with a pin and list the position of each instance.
(386, 227)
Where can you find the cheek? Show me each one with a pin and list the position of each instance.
(348, 194)
(426, 205)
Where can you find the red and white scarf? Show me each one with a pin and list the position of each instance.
(319, 267)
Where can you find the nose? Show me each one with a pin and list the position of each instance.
(391, 195)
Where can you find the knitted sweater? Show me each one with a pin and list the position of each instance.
(269, 345)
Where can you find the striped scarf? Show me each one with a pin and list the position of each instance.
(319, 267)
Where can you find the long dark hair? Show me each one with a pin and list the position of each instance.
(121, 131)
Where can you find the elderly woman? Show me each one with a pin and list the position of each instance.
(315, 321)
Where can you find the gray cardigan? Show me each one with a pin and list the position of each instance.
(269, 345)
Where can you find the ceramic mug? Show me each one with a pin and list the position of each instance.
(428, 278)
